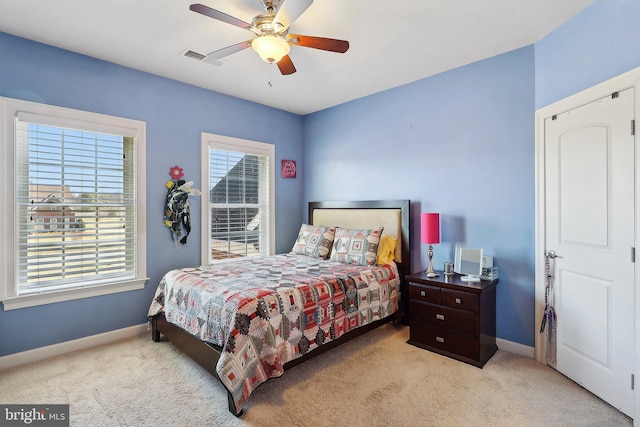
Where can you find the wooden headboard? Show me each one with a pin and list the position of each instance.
(393, 215)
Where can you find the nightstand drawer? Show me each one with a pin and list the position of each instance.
(460, 321)
(445, 340)
(425, 293)
(461, 300)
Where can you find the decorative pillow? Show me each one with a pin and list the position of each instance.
(314, 241)
(386, 249)
(356, 246)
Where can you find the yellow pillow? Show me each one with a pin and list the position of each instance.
(386, 249)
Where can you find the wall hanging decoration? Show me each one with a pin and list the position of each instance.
(288, 168)
(177, 215)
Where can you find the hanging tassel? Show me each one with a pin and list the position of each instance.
(550, 355)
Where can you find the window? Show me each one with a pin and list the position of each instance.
(75, 180)
(238, 192)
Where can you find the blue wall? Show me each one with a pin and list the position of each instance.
(463, 142)
(175, 114)
(459, 143)
(596, 45)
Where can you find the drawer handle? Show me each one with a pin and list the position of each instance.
(440, 339)
(458, 301)
(440, 316)
(423, 294)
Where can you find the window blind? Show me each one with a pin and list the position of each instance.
(238, 204)
(75, 206)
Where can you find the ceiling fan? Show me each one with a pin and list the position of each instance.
(273, 40)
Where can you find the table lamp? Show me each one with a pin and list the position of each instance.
(430, 228)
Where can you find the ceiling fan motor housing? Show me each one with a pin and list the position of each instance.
(265, 25)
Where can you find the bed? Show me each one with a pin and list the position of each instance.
(249, 320)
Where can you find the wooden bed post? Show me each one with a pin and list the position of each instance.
(155, 333)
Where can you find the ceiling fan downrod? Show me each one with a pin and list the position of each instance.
(271, 5)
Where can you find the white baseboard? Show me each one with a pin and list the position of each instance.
(514, 347)
(69, 346)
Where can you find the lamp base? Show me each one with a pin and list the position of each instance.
(429, 271)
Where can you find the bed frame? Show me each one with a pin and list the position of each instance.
(207, 354)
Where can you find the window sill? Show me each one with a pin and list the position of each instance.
(33, 300)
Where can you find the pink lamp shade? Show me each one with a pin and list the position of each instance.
(430, 227)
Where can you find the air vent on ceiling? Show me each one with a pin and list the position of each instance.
(194, 55)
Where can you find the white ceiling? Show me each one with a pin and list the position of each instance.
(391, 43)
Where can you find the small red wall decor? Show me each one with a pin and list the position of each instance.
(288, 168)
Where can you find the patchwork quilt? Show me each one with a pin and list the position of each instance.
(265, 311)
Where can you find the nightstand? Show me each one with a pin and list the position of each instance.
(452, 317)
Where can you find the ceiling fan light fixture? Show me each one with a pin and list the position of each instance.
(271, 48)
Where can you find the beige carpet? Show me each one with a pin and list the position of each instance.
(376, 380)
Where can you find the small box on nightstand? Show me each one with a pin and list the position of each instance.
(489, 273)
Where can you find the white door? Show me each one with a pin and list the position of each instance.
(589, 188)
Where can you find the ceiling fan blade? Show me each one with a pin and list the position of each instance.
(216, 14)
(226, 51)
(291, 10)
(332, 45)
(286, 66)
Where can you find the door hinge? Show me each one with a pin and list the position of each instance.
(633, 127)
(614, 95)
(633, 254)
(633, 382)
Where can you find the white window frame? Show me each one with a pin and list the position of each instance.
(221, 142)
(63, 117)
